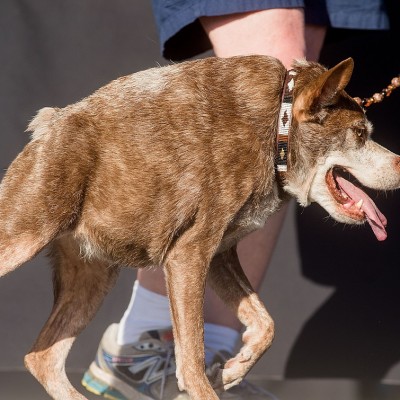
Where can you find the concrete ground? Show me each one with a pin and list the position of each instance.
(20, 385)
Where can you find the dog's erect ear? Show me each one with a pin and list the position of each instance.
(324, 90)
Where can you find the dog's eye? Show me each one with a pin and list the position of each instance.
(360, 132)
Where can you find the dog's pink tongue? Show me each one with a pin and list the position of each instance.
(375, 218)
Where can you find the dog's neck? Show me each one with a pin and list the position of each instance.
(284, 124)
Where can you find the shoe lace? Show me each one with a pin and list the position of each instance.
(223, 357)
(169, 353)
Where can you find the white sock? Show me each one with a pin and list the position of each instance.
(217, 338)
(147, 311)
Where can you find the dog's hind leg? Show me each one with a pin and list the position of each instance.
(79, 287)
(40, 196)
(230, 283)
(24, 230)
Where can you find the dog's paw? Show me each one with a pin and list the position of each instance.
(243, 357)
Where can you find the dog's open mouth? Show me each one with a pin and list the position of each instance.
(354, 202)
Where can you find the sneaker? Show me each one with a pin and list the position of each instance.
(245, 390)
(144, 370)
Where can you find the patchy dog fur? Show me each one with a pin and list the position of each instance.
(171, 167)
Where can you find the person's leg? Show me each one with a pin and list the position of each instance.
(258, 32)
(276, 32)
(254, 33)
(279, 33)
(315, 36)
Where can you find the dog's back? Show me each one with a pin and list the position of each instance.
(193, 140)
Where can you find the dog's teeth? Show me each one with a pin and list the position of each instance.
(349, 204)
(359, 204)
(344, 195)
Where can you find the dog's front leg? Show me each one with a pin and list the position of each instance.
(230, 283)
(186, 270)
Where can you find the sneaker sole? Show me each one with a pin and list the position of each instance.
(99, 382)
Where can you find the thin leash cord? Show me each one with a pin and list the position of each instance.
(378, 97)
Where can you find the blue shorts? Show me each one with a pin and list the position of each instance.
(182, 36)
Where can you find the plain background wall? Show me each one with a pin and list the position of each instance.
(336, 312)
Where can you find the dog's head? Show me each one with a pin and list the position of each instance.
(331, 150)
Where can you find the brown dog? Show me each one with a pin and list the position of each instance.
(172, 166)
